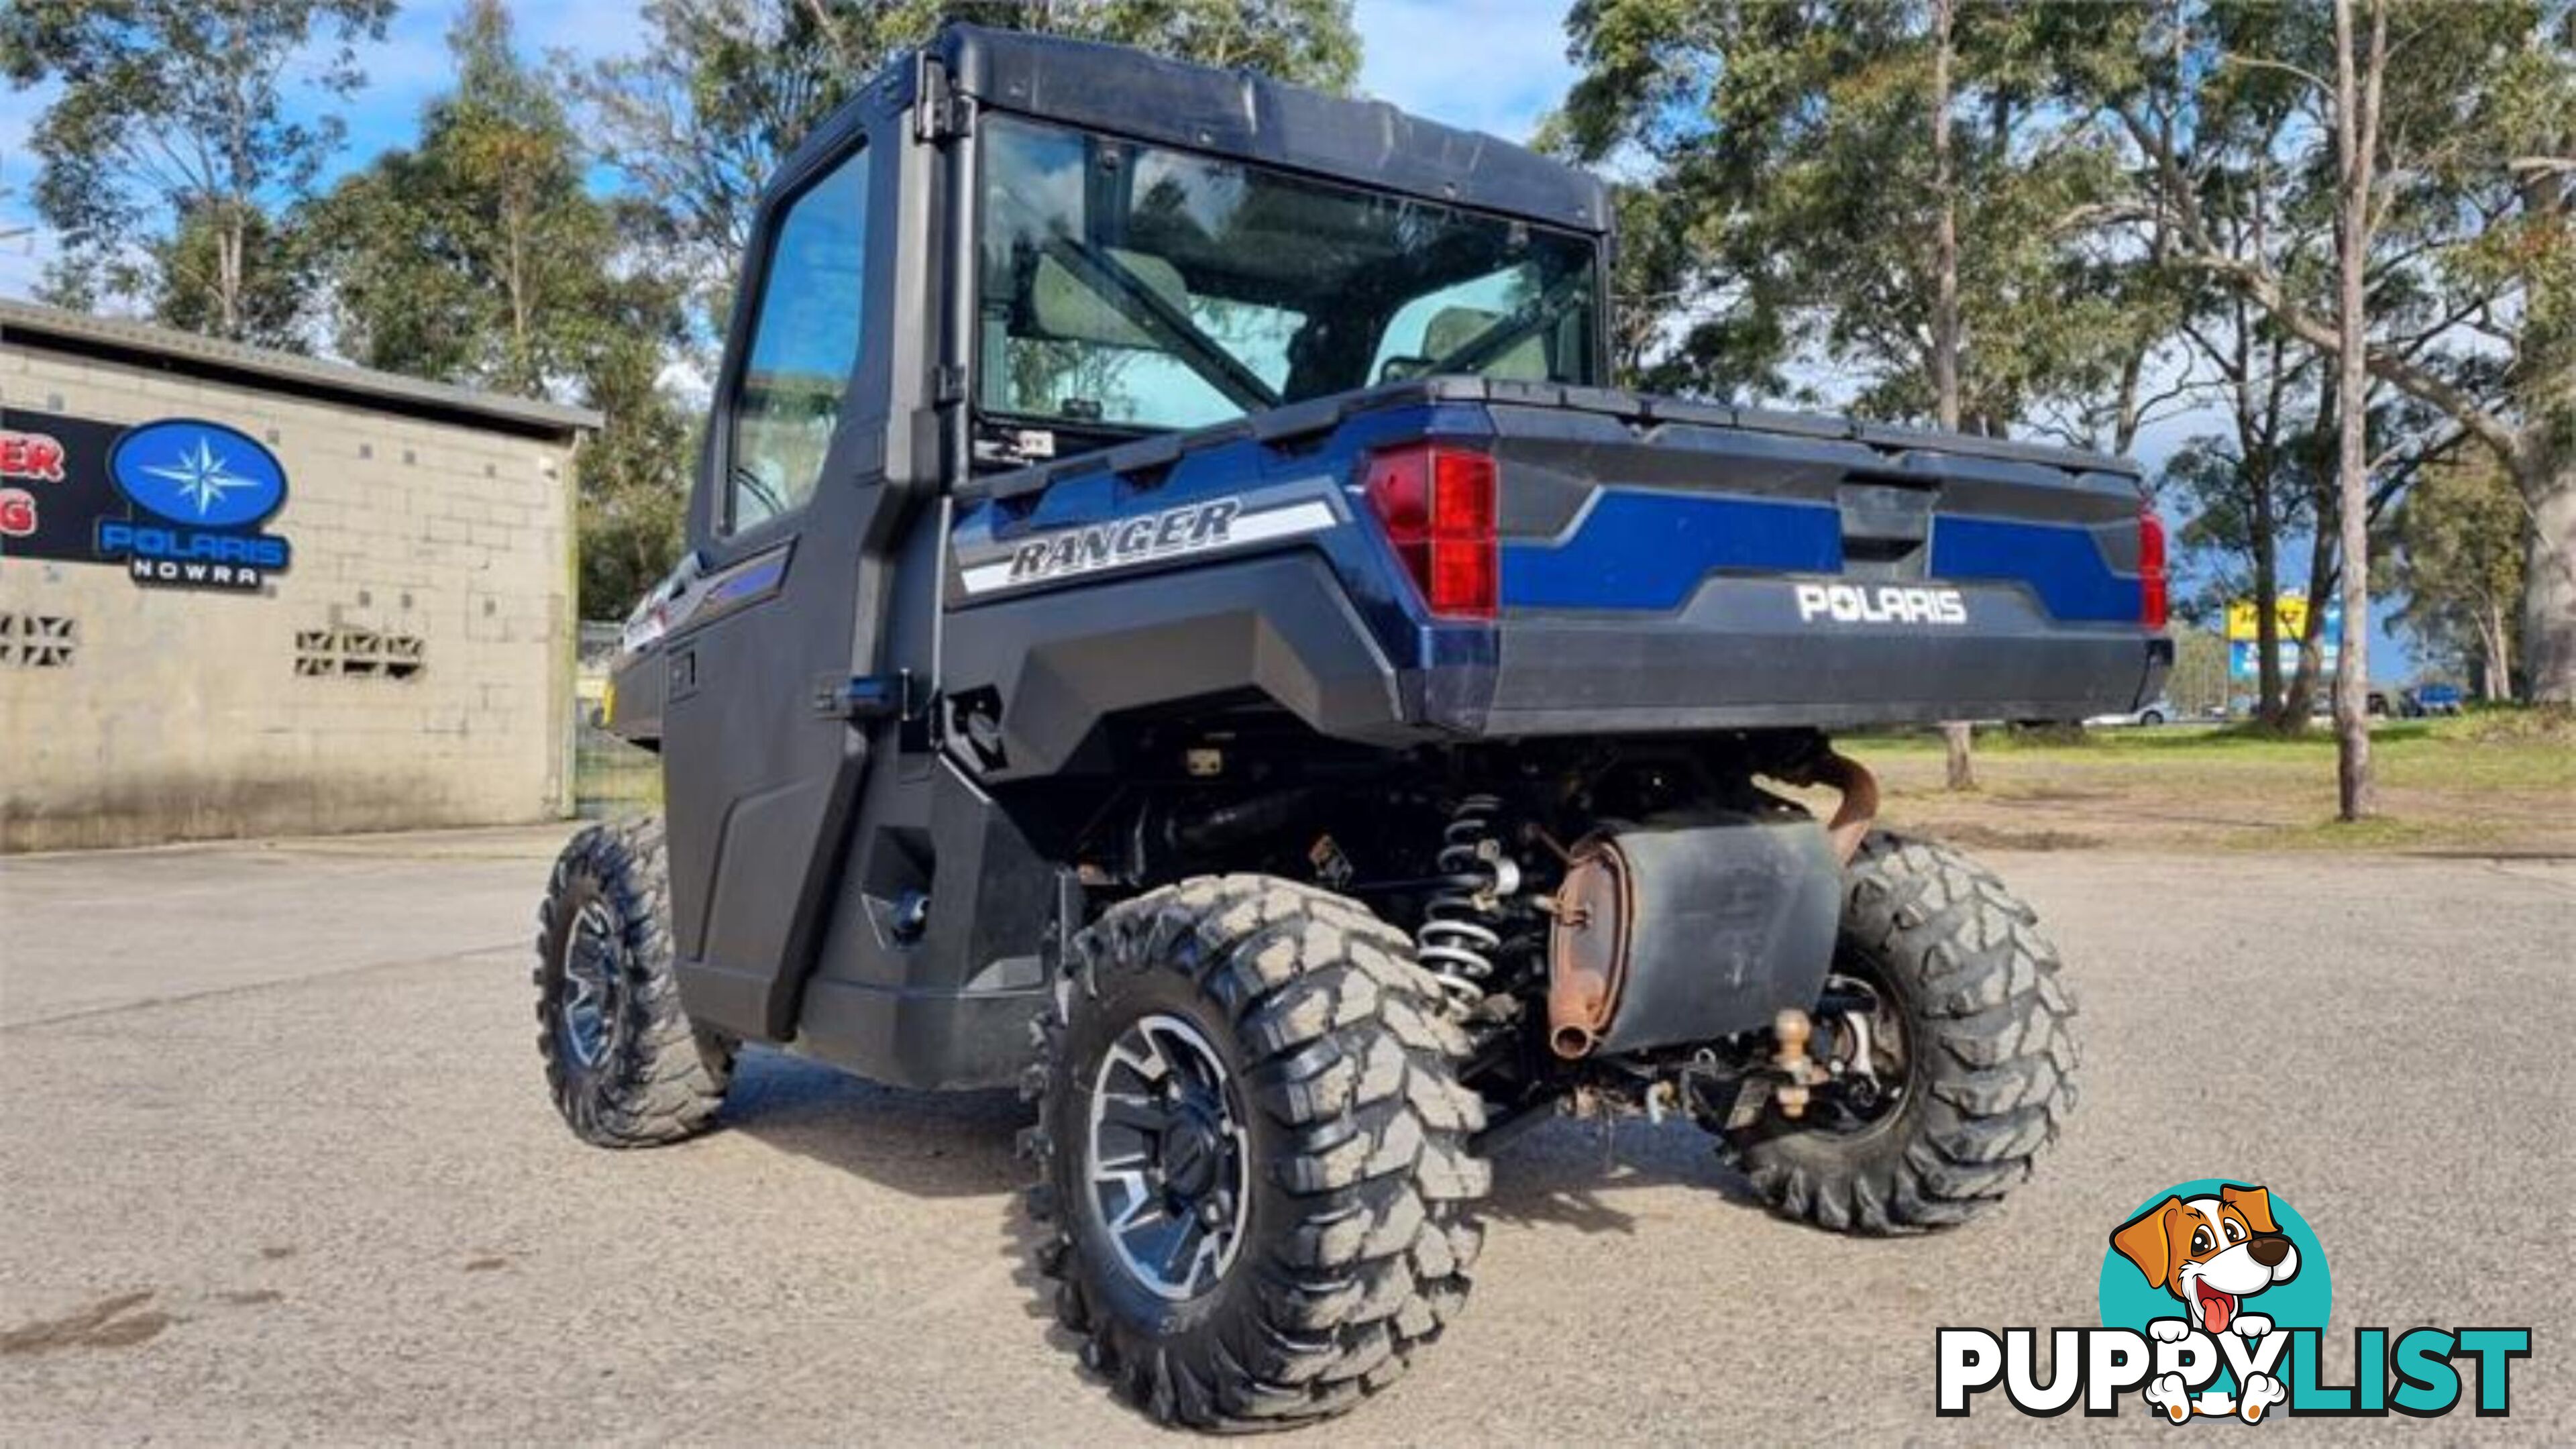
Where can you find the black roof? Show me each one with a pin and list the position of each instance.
(1236, 113)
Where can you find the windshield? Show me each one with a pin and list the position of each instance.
(1130, 286)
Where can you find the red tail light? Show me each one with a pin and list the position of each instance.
(1437, 506)
(2153, 599)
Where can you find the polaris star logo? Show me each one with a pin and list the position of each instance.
(1145, 538)
(1885, 604)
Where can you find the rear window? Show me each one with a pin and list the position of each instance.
(1130, 285)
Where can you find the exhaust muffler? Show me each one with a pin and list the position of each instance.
(1674, 934)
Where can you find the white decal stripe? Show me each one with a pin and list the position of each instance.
(987, 576)
(1311, 516)
(1306, 517)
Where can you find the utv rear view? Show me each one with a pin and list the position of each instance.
(1177, 622)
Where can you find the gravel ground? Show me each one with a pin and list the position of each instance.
(275, 1166)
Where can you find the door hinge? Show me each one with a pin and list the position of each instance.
(867, 697)
(947, 384)
(940, 112)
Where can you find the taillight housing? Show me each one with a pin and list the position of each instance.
(2154, 598)
(1436, 503)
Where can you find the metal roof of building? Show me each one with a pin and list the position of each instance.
(137, 343)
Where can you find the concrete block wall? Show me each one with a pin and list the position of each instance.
(184, 714)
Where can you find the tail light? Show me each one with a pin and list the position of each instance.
(2153, 598)
(1436, 503)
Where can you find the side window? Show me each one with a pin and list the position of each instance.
(804, 338)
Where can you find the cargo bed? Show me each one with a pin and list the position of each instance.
(1661, 566)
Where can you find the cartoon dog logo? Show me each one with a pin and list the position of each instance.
(2212, 1253)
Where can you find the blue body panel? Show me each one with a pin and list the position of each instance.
(1654, 575)
(1640, 550)
(2062, 565)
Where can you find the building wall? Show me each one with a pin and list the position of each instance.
(180, 714)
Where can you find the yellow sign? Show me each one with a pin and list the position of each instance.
(2290, 616)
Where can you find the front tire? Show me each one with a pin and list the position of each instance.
(1252, 1149)
(1982, 1074)
(623, 1063)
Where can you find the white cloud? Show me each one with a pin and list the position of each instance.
(1486, 65)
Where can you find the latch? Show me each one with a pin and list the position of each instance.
(1885, 523)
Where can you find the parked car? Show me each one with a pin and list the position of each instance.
(2432, 699)
(2154, 712)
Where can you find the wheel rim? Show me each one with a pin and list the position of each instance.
(587, 1013)
(1167, 1157)
(1872, 1057)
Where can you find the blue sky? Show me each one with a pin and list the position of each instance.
(1506, 79)
(1487, 65)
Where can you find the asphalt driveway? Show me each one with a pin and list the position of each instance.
(275, 1164)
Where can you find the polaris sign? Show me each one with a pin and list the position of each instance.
(199, 491)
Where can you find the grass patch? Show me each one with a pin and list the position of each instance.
(2500, 781)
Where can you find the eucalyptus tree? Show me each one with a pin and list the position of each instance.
(2467, 303)
(481, 256)
(170, 158)
(1869, 205)
(700, 116)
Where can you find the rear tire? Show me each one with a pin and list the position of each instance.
(1989, 1052)
(623, 1063)
(1316, 1043)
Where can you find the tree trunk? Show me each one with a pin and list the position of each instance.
(2267, 602)
(1956, 735)
(1945, 230)
(2549, 578)
(230, 249)
(2495, 682)
(2300, 698)
(2357, 79)
(1962, 773)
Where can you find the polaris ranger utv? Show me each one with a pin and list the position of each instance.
(1176, 620)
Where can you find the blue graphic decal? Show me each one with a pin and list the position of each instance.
(1641, 550)
(198, 474)
(2063, 566)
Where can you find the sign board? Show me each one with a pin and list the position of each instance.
(2243, 656)
(176, 503)
(2290, 617)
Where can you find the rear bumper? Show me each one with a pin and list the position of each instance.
(1738, 656)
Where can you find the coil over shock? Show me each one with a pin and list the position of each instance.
(1454, 941)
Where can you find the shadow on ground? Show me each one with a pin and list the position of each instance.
(921, 1144)
(1566, 1174)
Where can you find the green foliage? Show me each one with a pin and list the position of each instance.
(698, 122)
(2458, 565)
(1788, 203)
(168, 162)
(480, 257)
(634, 481)
(701, 118)
(2470, 302)
(273, 303)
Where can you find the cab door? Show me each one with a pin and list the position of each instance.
(761, 761)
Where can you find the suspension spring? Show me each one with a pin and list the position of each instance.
(1455, 942)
